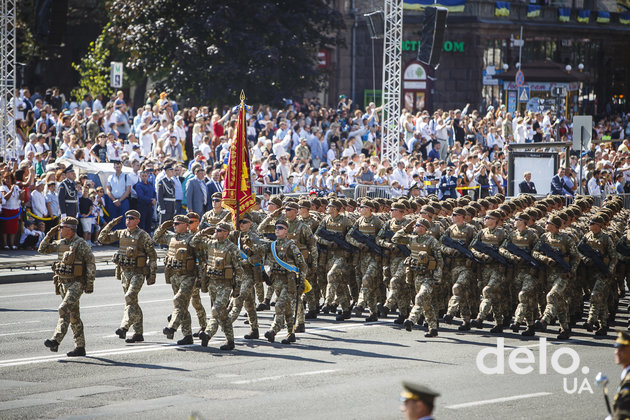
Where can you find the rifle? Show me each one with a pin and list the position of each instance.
(389, 234)
(459, 247)
(520, 252)
(554, 255)
(623, 249)
(490, 251)
(368, 241)
(594, 255)
(336, 238)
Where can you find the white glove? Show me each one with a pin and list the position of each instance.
(162, 211)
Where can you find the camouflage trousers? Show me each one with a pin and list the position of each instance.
(526, 281)
(285, 305)
(69, 313)
(494, 292)
(557, 283)
(602, 289)
(399, 289)
(370, 281)
(195, 300)
(301, 314)
(132, 282)
(245, 299)
(462, 278)
(219, 313)
(312, 298)
(426, 287)
(182, 288)
(337, 287)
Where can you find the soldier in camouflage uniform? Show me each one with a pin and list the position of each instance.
(557, 278)
(217, 214)
(399, 290)
(336, 260)
(288, 264)
(135, 260)
(312, 298)
(425, 265)
(623, 258)
(604, 281)
(249, 246)
(180, 273)
(525, 275)
(459, 270)
(369, 260)
(195, 297)
(223, 268)
(492, 274)
(267, 229)
(74, 274)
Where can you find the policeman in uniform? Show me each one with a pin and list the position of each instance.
(621, 402)
(67, 194)
(418, 401)
(288, 264)
(135, 260)
(74, 274)
(223, 268)
(425, 265)
(369, 260)
(180, 273)
(166, 195)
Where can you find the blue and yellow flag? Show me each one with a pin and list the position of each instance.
(502, 8)
(564, 14)
(451, 5)
(584, 16)
(533, 11)
(603, 17)
(624, 18)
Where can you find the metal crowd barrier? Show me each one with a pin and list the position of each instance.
(373, 191)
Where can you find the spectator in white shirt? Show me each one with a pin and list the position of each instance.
(38, 200)
(593, 186)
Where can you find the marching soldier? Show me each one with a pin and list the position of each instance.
(195, 298)
(67, 194)
(74, 274)
(135, 260)
(312, 297)
(180, 273)
(369, 259)
(559, 253)
(425, 265)
(216, 214)
(223, 268)
(266, 228)
(287, 267)
(166, 195)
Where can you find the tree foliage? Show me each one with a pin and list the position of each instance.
(94, 68)
(207, 51)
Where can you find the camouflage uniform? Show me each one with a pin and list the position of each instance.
(266, 229)
(369, 263)
(312, 298)
(74, 273)
(399, 289)
(303, 237)
(459, 273)
(136, 259)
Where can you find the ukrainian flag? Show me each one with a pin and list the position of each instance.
(451, 5)
(533, 11)
(624, 18)
(584, 16)
(564, 14)
(603, 17)
(502, 8)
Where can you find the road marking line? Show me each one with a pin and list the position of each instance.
(271, 378)
(23, 332)
(497, 400)
(123, 303)
(29, 294)
(20, 323)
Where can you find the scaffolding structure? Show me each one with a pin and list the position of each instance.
(392, 63)
(8, 142)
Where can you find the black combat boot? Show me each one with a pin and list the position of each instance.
(383, 310)
(588, 326)
(52, 345)
(432, 333)
(300, 328)
(497, 329)
(78, 351)
(169, 333)
(421, 319)
(188, 339)
(371, 318)
(358, 310)
(601, 332)
(271, 336)
(344, 315)
(205, 338)
(448, 319)
(564, 335)
(253, 334)
(464, 327)
(263, 306)
(290, 339)
(516, 326)
(136, 338)
(196, 335)
(540, 325)
(529, 331)
(310, 315)
(400, 320)
(477, 323)
(408, 325)
(168, 318)
(121, 333)
(228, 345)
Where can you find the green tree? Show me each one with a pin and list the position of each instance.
(207, 51)
(93, 68)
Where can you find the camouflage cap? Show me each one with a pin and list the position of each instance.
(133, 213)
(398, 206)
(304, 204)
(276, 200)
(225, 226)
(217, 195)
(459, 211)
(291, 206)
(282, 222)
(495, 214)
(428, 208)
(69, 222)
(522, 216)
(192, 215)
(335, 203)
(597, 219)
(555, 220)
(181, 218)
(424, 222)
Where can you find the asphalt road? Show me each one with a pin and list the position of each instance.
(335, 370)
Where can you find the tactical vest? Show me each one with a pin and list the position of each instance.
(218, 266)
(520, 241)
(559, 245)
(67, 268)
(420, 256)
(458, 234)
(336, 227)
(367, 228)
(129, 253)
(179, 258)
(598, 245)
(301, 246)
(282, 252)
(489, 238)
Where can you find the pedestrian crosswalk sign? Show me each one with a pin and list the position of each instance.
(523, 94)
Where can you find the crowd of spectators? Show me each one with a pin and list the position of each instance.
(301, 147)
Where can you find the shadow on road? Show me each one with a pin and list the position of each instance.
(27, 310)
(109, 362)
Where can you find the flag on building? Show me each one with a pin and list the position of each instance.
(564, 14)
(238, 195)
(533, 11)
(451, 5)
(584, 16)
(502, 8)
(624, 18)
(603, 17)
